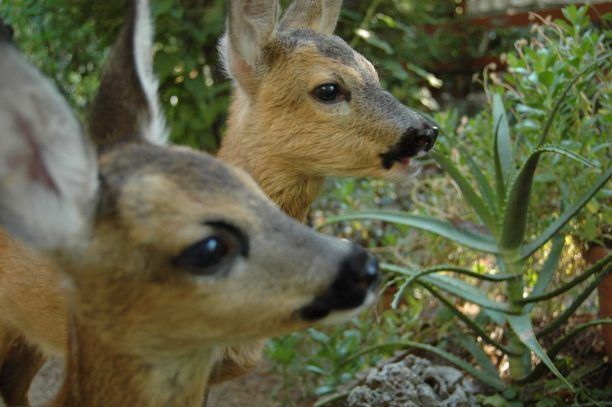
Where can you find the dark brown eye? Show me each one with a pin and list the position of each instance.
(215, 253)
(330, 92)
(202, 257)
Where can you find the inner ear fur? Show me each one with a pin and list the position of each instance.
(250, 27)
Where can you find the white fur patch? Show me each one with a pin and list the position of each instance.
(48, 171)
(154, 130)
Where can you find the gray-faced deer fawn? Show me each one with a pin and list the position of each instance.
(305, 105)
(165, 255)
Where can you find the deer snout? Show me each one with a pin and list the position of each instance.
(426, 137)
(357, 277)
(413, 142)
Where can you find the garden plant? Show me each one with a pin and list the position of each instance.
(501, 204)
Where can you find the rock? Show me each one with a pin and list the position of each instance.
(413, 382)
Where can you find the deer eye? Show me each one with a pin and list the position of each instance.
(329, 92)
(202, 257)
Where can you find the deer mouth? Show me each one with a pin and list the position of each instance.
(401, 153)
(347, 293)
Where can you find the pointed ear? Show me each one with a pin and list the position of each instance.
(250, 26)
(126, 107)
(321, 16)
(48, 170)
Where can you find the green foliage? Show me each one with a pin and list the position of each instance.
(68, 40)
(503, 202)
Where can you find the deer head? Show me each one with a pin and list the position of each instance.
(306, 104)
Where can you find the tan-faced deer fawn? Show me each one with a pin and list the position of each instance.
(305, 105)
(165, 255)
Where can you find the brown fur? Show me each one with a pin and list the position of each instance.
(142, 329)
(289, 141)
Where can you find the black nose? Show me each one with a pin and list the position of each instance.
(412, 142)
(424, 138)
(357, 276)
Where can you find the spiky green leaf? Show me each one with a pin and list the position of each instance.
(442, 228)
(517, 203)
(522, 327)
(540, 370)
(599, 266)
(503, 162)
(453, 286)
(528, 249)
(483, 184)
(548, 269)
(578, 301)
(469, 194)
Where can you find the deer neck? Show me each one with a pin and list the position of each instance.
(282, 180)
(99, 375)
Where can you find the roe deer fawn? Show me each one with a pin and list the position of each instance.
(165, 255)
(305, 105)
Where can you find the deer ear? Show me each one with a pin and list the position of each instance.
(126, 107)
(320, 16)
(48, 170)
(249, 28)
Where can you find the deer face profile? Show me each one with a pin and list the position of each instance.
(306, 105)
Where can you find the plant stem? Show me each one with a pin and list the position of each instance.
(519, 361)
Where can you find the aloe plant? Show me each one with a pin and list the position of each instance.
(503, 209)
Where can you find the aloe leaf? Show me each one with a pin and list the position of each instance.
(517, 203)
(477, 353)
(540, 370)
(473, 326)
(569, 311)
(503, 143)
(400, 293)
(569, 285)
(496, 316)
(492, 381)
(473, 199)
(483, 184)
(454, 286)
(528, 249)
(416, 274)
(500, 181)
(548, 269)
(521, 325)
(440, 227)
(561, 99)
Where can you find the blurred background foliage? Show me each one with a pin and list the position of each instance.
(68, 40)
(424, 52)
